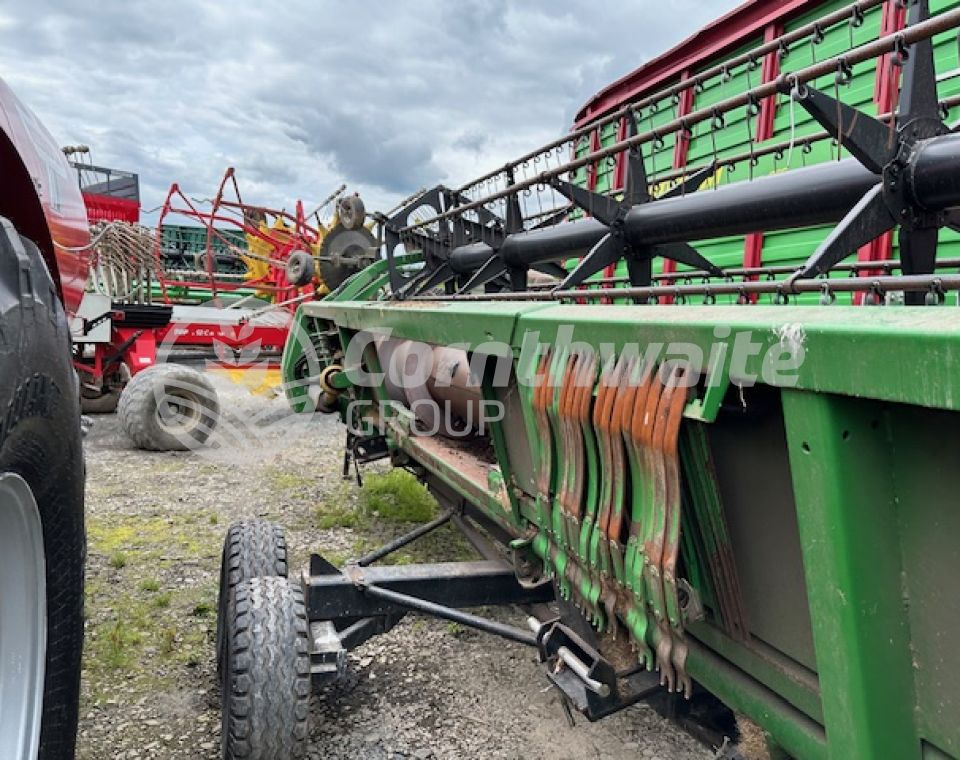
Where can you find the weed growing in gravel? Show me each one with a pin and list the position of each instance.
(162, 601)
(289, 481)
(339, 517)
(202, 609)
(120, 640)
(397, 496)
(168, 639)
(150, 585)
(339, 510)
(118, 560)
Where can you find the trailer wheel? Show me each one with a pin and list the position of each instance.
(42, 543)
(351, 211)
(168, 407)
(251, 549)
(266, 672)
(105, 403)
(300, 268)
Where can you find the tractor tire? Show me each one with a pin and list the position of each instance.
(168, 407)
(266, 672)
(105, 403)
(42, 543)
(251, 549)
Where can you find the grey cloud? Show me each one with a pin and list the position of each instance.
(384, 96)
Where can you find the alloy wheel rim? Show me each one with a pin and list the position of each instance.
(23, 619)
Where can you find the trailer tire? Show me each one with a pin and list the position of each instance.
(266, 675)
(42, 542)
(300, 269)
(168, 407)
(351, 211)
(106, 403)
(251, 549)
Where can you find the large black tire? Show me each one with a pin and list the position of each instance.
(266, 672)
(168, 407)
(40, 441)
(105, 403)
(251, 549)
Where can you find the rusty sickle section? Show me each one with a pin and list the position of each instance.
(565, 458)
(720, 558)
(639, 433)
(656, 534)
(609, 483)
(672, 502)
(540, 413)
(588, 482)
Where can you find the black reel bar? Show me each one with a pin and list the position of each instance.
(906, 173)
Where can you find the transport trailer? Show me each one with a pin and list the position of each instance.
(686, 377)
(43, 269)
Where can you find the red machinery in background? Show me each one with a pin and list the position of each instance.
(228, 296)
(109, 195)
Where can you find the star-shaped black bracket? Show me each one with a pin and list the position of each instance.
(614, 246)
(887, 151)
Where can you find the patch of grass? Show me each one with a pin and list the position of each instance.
(335, 558)
(149, 584)
(397, 496)
(334, 516)
(118, 560)
(120, 640)
(285, 480)
(168, 640)
(214, 518)
(454, 629)
(202, 609)
(162, 601)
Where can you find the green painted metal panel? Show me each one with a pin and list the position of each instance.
(847, 514)
(474, 325)
(927, 481)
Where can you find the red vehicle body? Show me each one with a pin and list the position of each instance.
(40, 196)
(43, 268)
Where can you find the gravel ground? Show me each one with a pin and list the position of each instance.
(426, 690)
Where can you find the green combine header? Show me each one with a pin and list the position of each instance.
(688, 378)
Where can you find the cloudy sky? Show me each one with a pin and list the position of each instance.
(300, 95)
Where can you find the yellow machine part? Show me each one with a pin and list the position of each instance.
(257, 264)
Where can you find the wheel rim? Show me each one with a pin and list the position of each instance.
(179, 411)
(23, 619)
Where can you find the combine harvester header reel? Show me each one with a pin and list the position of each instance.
(705, 451)
(903, 173)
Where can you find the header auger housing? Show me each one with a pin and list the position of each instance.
(707, 451)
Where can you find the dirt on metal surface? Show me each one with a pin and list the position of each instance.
(427, 690)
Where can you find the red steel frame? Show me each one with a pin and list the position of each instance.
(886, 91)
(302, 236)
(138, 356)
(137, 347)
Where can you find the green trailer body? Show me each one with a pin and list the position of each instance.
(811, 488)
